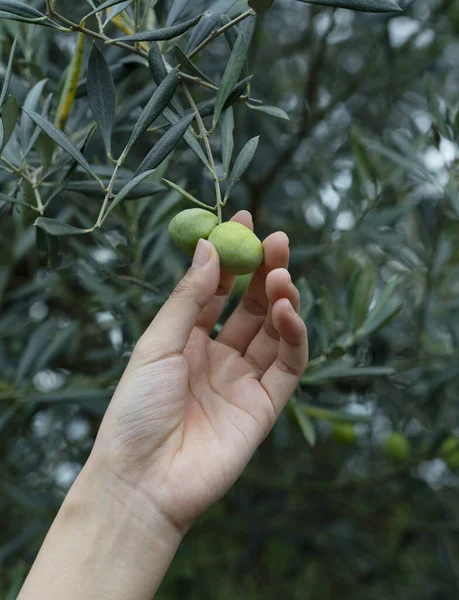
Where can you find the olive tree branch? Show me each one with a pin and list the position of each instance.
(217, 32)
(205, 139)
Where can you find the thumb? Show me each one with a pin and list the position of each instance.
(170, 330)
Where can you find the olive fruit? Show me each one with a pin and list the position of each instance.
(397, 447)
(449, 451)
(189, 226)
(344, 433)
(240, 251)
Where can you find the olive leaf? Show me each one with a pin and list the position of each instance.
(38, 341)
(185, 194)
(6, 81)
(175, 11)
(10, 115)
(361, 291)
(188, 64)
(20, 9)
(361, 5)
(101, 95)
(63, 141)
(156, 105)
(125, 191)
(383, 312)
(116, 11)
(189, 138)
(37, 131)
(54, 227)
(165, 145)
(227, 126)
(273, 111)
(156, 63)
(242, 163)
(31, 102)
(208, 23)
(304, 422)
(93, 190)
(230, 76)
(260, 5)
(155, 35)
(103, 6)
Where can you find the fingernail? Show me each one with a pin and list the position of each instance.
(246, 212)
(201, 254)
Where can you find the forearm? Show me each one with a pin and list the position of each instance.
(105, 543)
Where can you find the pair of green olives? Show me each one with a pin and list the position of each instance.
(239, 249)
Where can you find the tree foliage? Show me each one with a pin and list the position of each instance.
(339, 127)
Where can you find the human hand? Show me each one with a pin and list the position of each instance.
(190, 411)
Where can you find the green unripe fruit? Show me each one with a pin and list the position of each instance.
(344, 433)
(239, 249)
(449, 451)
(189, 226)
(397, 448)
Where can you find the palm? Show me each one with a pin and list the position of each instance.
(195, 416)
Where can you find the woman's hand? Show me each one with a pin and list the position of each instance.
(190, 411)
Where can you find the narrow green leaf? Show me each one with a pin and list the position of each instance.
(273, 111)
(10, 115)
(306, 297)
(58, 189)
(189, 65)
(185, 194)
(10, 200)
(116, 11)
(38, 341)
(43, 20)
(361, 291)
(165, 145)
(361, 5)
(63, 141)
(156, 63)
(328, 414)
(103, 6)
(54, 227)
(175, 11)
(337, 371)
(209, 22)
(189, 138)
(158, 102)
(124, 192)
(227, 125)
(31, 103)
(2, 133)
(101, 95)
(95, 401)
(37, 131)
(93, 190)
(59, 343)
(433, 105)
(157, 35)
(242, 163)
(6, 81)
(304, 422)
(383, 312)
(20, 9)
(231, 75)
(260, 5)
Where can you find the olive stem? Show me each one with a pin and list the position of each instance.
(205, 138)
(109, 194)
(217, 32)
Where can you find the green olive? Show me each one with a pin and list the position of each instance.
(189, 226)
(397, 447)
(240, 251)
(344, 433)
(449, 451)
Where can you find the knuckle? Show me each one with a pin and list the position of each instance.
(254, 307)
(270, 330)
(288, 368)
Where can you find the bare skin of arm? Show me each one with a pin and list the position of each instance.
(185, 419)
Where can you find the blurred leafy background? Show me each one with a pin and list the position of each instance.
(354, 494)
